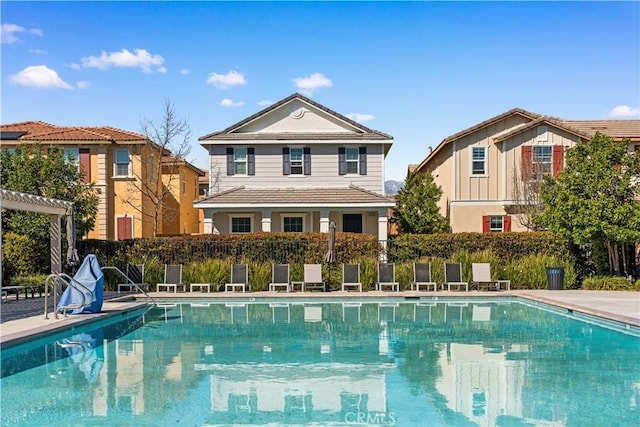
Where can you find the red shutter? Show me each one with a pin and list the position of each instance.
(558, 160)
(124, 228)
(527, 168)
(85, 164)
(506, 223)
(486, 223)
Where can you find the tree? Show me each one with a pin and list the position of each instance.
(45, 171)
(416, 208)
(526, 193)
(593, 200)
(169, 144)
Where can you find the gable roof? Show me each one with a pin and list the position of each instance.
(41, 131)
(362, 132)
(617, 129)
(544, 120)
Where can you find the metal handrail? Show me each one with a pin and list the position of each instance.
(59, 278)
(129, 281)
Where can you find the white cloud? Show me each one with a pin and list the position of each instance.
(624, 111)
(226, 81)
(229, 103)
(37, 51)
(361, 118)
(309, 84)
(140, 58)
(185, 71)
(265, 103)
(82, 85)
(162, 70)
(8, 33)
(39, 77)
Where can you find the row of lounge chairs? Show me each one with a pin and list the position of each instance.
(280, 278)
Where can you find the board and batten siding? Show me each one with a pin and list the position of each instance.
(324, 168)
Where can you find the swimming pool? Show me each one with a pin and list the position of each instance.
(418, 362)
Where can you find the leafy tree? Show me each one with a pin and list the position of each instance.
(45, 171)
(169, 144)
(593, 199)
(416, 208)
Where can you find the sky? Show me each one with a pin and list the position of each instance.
(419, 71)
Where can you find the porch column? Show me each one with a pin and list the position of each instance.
(266, 221)
(56, 243)
(324, 221)
(207, 220)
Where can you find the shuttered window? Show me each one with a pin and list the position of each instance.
(352, 160)
(241, 161)
(496, 223)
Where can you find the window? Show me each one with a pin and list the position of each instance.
(496, 223)
(240, 161)
(478, 161)
(541, 156)
(72, 155)
(352, 223)
(241, 224)
(296, 161)
(123, 163)
(293, 224)
(183, 177)
(352, 160)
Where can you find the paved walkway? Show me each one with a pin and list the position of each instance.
(24, 318)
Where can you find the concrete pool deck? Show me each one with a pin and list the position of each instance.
(623, 307)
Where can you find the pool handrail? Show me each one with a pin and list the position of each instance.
(129, 281)
(63, 278)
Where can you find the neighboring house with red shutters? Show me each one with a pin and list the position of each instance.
(478, 167)
(296, 166)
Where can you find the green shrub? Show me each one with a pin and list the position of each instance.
(32, 280)
(530, 272)
(22, 256)
(214, 271)
(610, 283)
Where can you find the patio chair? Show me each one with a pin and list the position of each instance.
(172, 278)
(239, 278)
(422, 277)
(351, 277)
(280, 277)
(387, 277)
(313, 277)
(453, 276)
(135, 278)
(481, 277)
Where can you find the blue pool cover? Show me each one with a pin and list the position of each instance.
(91, 277)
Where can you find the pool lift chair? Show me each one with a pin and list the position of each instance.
(481, 277)
(453, 276)
(239, 278)
(280, 277)
(422, 277)
(387, 277)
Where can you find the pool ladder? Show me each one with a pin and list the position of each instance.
(56, 280)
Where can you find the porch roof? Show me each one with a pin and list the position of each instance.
(344, 197)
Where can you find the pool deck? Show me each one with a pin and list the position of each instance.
(24, 319)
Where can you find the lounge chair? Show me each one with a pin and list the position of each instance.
(351, 276)
(172, 278)
(280, 277)
(387, 277)
(453, 276)
(422, 277)
(135, 278)
(313, 277)
(239, 278)
(482, 277)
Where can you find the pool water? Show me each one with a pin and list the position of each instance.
(273, 362)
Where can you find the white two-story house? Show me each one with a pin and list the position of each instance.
(481, 167)
(296, 166)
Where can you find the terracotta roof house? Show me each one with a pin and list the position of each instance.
(296, 166)
(479, 167)
(118, 163)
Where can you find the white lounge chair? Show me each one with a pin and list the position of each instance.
(481, 277)
(313, 277)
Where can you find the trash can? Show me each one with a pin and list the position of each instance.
(555, 278)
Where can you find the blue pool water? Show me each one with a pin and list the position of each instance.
(273, 362)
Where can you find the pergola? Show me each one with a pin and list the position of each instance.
(53, 207)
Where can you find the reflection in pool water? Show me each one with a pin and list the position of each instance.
(392, 362)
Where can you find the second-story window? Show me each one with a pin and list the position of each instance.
(352, 160)
(540, 161)
(478, 161)
(296, 161)
(240, 161)
(122, 163)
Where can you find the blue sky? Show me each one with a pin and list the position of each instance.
(419, 71)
